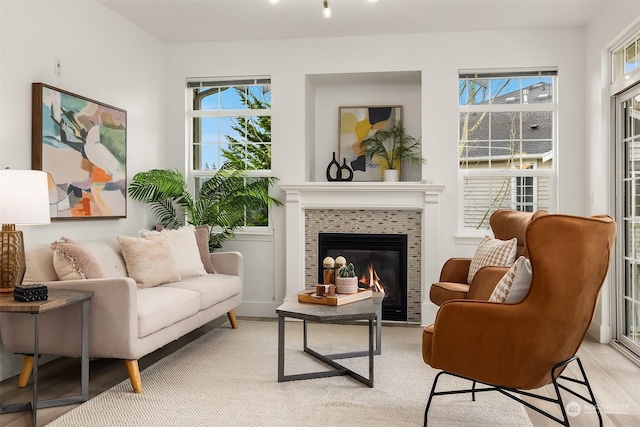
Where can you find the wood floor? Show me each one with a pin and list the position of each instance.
(614, 378)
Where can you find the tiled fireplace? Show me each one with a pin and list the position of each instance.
(368, 208)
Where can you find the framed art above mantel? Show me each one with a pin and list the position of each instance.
(356, 124)
(82, 145)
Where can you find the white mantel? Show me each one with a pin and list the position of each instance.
(363, 195)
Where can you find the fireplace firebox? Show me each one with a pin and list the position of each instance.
(380, 261)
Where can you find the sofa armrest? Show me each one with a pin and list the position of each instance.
(228, 263)
(455, 270)
(113, 322)
(485, 281)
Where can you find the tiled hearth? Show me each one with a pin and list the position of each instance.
(376, 207)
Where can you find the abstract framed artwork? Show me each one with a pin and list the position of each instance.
(82, 145)
(358, 123)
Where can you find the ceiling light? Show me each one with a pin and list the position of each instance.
(372, 1)
(273, 1)
(326, 12)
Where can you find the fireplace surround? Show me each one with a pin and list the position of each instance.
(419, 200)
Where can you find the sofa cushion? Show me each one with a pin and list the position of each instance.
(514, 285)
(149, 261)
(39, 266)
(492, 252)
(73, 261)
(160, 307)
(184, 248)
(212, 288)
(109, 253)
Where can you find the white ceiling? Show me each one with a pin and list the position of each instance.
(175, 21)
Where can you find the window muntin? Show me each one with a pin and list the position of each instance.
(506, 143)
(230, 123)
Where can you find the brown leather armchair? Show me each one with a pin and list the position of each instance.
(526, 345)
(505, 224)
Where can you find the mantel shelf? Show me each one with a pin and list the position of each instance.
(352, 186)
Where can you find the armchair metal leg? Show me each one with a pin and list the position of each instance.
(512, 393)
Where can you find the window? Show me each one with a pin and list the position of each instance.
(625, 60)
(230, 127)
(506, 143)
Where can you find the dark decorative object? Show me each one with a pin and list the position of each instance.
(339, 174)
(332, 164)
(28, 293)
(343, 168)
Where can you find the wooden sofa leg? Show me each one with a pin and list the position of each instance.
(232, 319)
(134, 375)
(25, 374)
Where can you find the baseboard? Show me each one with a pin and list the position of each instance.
(257, 309)
(600, 333)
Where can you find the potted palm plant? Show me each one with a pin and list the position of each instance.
(390, 147)
(222, 203)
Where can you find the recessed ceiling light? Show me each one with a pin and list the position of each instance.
(273, 1)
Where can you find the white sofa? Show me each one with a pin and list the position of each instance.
(126, 322)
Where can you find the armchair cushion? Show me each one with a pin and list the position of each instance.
(492, 252)
(514, 285)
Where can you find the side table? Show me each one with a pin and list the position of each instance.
(57, 298)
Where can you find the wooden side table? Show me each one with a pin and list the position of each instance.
(57, 298)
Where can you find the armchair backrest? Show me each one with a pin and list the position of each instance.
(570, 257)
(507, 224)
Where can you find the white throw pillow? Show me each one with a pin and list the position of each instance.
(184, 249)
(490, 251)
(515, 284)
(149, 261)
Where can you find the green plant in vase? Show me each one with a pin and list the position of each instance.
(347, 280)
(390, 147)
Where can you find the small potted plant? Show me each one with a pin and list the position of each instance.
(390, 147)
(347, 281)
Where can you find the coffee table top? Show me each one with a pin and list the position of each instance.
(365, 309)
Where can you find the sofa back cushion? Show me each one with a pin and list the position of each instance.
(106, 251)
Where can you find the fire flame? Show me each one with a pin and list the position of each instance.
(373, 281)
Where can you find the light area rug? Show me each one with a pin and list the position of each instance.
(229, 378)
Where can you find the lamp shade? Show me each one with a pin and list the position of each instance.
(24, 197)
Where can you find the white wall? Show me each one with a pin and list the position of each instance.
(610, 24)
(436, 57)
(104, 58)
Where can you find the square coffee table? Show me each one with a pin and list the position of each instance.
(369, 309)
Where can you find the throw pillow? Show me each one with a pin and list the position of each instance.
(73, 261)
(202, 238)
(184, 249)
(492, 252)
(515, 284)
(149, 261)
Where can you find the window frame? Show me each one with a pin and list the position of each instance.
(512, 172)
(191, 114)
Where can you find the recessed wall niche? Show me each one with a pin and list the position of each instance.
(325, 93)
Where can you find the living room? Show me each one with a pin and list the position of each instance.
(104, 56)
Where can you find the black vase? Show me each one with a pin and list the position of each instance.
(333, 165)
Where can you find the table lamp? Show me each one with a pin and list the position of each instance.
(24, 199)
